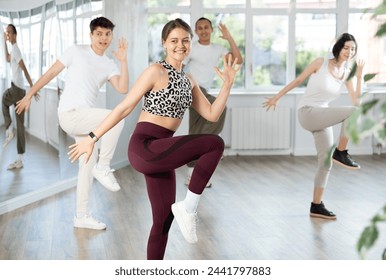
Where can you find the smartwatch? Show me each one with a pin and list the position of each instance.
(93, 137)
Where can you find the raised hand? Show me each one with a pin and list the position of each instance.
(225, 32)
(360, 65)
(230, 70)
(121, 54)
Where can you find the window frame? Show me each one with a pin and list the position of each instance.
(196, 9)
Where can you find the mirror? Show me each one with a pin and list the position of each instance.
(46, 169)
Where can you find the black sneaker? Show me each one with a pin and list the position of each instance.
(320, 211)
(343, 158)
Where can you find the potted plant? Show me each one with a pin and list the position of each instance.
(363, 124)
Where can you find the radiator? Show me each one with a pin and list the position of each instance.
(256, 128)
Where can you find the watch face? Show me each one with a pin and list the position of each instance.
(92, 135)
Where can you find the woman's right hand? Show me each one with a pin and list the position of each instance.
(84, 147)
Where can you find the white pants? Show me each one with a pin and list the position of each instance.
(79, 123)
(319, 122)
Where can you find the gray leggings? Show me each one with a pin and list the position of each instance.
(319, 122)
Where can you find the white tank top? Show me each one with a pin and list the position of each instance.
(322, 88)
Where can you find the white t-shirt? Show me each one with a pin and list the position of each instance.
(201, 62)
(86, 73)
(17, 73)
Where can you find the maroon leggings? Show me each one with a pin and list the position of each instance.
(154, 152)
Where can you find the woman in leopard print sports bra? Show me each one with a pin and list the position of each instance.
(153, 150)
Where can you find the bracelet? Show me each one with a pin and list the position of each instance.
(93, 137)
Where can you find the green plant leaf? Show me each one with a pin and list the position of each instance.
(352, 126)
(381, 31)
(378, 218)
(365, 107)
(352, 72)
(369, 76)
(381, 134)
(367, 125)
(383, 108)
(380, 10)
(384, 255)
(367, 239)
(327, 159)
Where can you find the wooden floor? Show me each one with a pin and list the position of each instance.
(43, 166)
(258, 208)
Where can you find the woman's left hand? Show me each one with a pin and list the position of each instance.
(84, 147)
(230, 70)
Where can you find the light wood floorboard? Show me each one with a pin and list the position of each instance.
(258, 208)
(41, 167)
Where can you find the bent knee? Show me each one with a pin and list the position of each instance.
(217, 142)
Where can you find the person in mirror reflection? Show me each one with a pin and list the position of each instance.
(153, 150)
(327, 78)
(88, 68)
(13, 94)
(200, 63)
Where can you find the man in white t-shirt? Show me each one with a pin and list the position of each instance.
(88, 69)
(13, 94)
(200, 63)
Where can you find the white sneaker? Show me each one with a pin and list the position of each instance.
(8, 137)
(186, 221)
(87, 221)
(15, 165)
(187, 182)
(106, 178)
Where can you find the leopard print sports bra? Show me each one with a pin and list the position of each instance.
(173, 100)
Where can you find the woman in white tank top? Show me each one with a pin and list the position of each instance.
(327, 80)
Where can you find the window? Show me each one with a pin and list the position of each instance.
(50, 40)
(311, 44)
(370, 48)
(59, 26)
(224, 4)
(270, 37)
(278, 38)
(4, 20)
(236, 23)
(155, 24)
(167, 3)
